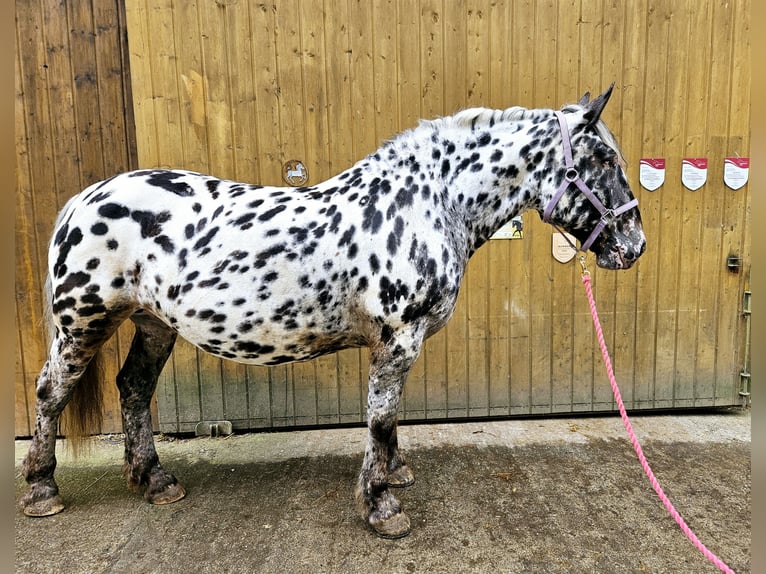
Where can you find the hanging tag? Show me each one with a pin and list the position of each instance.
(651, 172)
(561, 250)
(694, 172)
(736, 171)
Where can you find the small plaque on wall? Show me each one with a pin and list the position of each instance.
(694, 172)
(651, 172)
(514, 229)
(736, 171)
(562, 249)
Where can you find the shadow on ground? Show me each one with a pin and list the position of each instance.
(532, 508)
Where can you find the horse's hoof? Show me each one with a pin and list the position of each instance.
(393, 527)
(44, 507)
(171, 493)
(401, 477)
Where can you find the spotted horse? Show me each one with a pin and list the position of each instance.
(268, 275)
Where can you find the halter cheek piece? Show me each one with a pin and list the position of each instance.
(573, 177)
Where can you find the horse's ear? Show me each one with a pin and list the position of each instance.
(594, 108)
(584, 100)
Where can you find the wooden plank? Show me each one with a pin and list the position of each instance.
(541, 262)
(523, 18)
(432, 58)
(499, 327)
(563, 357)
(408, 73)
(455, 81)
(429, 377)
(690, 261)
(590, 389)
(477, 279)
(117, 138)
(653, 129)
(316, 138)
(218, 74)
(31, 348)
(669, 232)
(23, 410)
(632, 102)
(499, 31)
(384, 64)
(630, 29)
(523, 375)
(267, 106)
(520, 316)
(351, 379)
(736, 206)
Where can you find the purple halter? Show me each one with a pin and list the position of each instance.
(573, 177)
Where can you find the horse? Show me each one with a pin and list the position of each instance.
(373, 256)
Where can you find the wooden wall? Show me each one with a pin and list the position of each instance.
(236, 88)
(74, 126)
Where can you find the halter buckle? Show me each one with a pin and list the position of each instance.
(608, 216)
(571, 175)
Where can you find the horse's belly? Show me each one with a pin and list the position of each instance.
(265, 342)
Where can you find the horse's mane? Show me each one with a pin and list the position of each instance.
(485, 117)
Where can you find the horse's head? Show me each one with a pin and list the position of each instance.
(591, 196)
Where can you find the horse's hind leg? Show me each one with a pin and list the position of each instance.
(151, 347)
(68, 361)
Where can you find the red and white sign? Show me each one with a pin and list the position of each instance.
(651, 172)
(736, 171)
(694, 172)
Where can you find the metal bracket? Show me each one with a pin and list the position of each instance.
(213, 428)
(744, 376)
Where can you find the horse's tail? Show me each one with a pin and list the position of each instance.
(83, 415)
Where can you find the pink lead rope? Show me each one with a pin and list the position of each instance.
(642, 459)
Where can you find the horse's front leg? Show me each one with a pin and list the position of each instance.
(390, 363)
(399, 474)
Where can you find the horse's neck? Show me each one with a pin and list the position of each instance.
(486, 199)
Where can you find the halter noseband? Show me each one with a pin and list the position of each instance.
(573, 177)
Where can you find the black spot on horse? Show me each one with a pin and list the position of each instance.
(73, 238)
(62, 304)
(99, 228)
(150, 222)
(206, 239)
(345, 239)
(374, 264)
(243, 219)
(113, 211)
(262, 257)
(90, 310)
(73, 280)
(445, 168)
(165, 180)
(372, 218)
(166, 243)
(174, 291)
(395, 237)
(267, 215)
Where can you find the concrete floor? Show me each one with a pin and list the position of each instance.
(533, 496)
